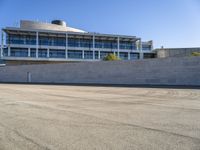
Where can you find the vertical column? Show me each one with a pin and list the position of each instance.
(99, 57)
(151, 45)
(37, 44)
(29, 52)
(93, 46)
(118, 46)
(129, 56)
(48, 53)
(2, 44)
(66, 46)
(83, 54)
(9, 51)
(141, 51)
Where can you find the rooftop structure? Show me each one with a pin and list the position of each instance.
(56, 41)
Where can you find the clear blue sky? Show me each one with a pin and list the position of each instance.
(171, 23)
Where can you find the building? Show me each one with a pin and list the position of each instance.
(175, 52)
(37, 42)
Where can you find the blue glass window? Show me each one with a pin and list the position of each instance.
(19, 52)
(33, 52)
(74, 54)
(123, 55)
(42, 53)
(5, 52)
(134, 56)
(57, 53)
(127, 45)
(106, 44)
(96, 55)
(146, 47)
(88, 54)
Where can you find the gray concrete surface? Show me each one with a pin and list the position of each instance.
(175, 52)
(170, 71)
(40, 117)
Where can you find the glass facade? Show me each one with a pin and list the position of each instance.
(42, 53)
(127, 45)
(96, 55)
(18, 52)
(105, 44)
(146, 47)
(123, 55)
(5, 52)
(56, 53)
(73, 42)
(134, 56)
(33, 52)
(88, 54)
(74, 54)
(26, 39)
(52, 41)
(21, 39)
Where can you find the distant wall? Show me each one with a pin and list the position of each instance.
(176, 52)
(170, 71)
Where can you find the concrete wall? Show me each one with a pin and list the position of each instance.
(170, 71)
(176, 52)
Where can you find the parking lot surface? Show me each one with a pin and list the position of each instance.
(50, 117)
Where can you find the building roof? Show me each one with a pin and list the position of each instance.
(26, 24)
(50, 29)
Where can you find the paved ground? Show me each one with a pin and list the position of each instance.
(34, 117)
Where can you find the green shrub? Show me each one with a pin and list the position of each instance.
(196, 54)
(111, 57)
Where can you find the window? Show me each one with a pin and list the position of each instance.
(127, 45)
(33, 52)
(19, 52)
(42, 53)
(123, 55)
(96, 55)
(88, 54)
(134, 56)
(74, 42)
(106, 44)
(74, 54)
(146, 47)
(57, 53)
(21, 39)
(5, 52)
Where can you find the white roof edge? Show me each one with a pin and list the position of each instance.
(81, 33)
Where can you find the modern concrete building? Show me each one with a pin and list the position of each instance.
(56, 42)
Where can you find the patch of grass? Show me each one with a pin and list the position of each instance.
(196, 54)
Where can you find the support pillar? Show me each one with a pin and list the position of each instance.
(141, 51)
(83, 54)
(93, 46)
(99, 56)
(37, 44)
(66, 47)
(48, 53)
(9, 51)
(29, 52)
(118, 46)
(129, 56)
(2, 44)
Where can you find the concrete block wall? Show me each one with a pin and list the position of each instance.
(167, 71)
(176, 52)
